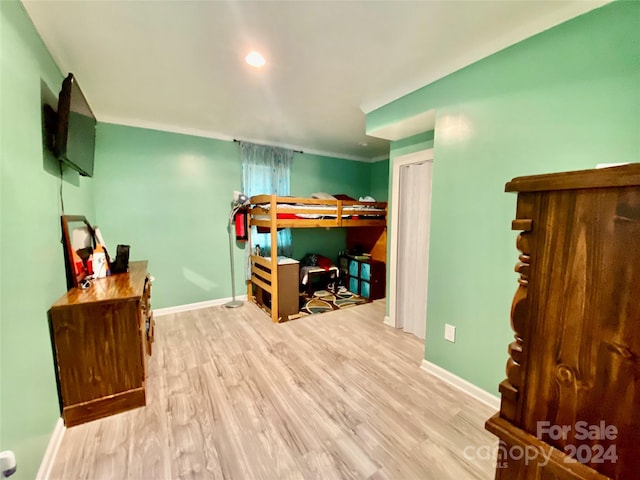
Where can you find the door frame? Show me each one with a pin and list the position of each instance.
(398, 162)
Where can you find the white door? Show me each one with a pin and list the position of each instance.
(413, 210)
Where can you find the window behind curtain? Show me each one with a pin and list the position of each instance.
(267, 170)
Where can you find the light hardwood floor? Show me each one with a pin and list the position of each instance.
(337, 395)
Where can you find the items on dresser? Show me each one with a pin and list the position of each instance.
(572, 393)
(78, 236)
(101, 337)
(121, 263)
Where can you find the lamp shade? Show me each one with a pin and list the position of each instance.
(240, 198)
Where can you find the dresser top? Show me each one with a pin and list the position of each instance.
(621, 176)
(114, 287)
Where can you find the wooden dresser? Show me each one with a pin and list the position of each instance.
(573, 373)
(288, 282)
(101, 338)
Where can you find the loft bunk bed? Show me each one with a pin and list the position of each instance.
(366, 224)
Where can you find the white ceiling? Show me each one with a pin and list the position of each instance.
(178, 66)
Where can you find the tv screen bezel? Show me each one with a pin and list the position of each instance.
(62, 130)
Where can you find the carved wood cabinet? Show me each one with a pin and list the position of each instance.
(571, 398)
(101, 338)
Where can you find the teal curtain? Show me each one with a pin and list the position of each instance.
(267, 170)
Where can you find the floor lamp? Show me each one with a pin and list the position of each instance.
(240, 200)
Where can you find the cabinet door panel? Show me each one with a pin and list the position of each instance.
(99, 350)
(354, 268)
(365, 289)
(344, 265)
(365, 271)
(353, 285)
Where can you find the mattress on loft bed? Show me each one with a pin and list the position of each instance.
(347, 211)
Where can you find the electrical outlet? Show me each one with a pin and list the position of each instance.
(450, 333)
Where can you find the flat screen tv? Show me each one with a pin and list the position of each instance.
(75, 138)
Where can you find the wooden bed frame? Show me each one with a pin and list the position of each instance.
(370, 232)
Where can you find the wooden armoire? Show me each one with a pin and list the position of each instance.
(570, 406)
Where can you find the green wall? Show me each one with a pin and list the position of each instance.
(316, 173)
(415, 143)
(379, 186)
(566, 99)
(31, 260)
(168, 196)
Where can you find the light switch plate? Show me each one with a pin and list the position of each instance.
(450, 333)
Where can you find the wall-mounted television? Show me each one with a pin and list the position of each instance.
(75, 137)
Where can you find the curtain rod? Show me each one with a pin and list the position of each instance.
(294, 151)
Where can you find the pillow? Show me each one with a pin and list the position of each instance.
(323, 262)
(322, 196)
(342, 196)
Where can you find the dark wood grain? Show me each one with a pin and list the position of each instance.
(537, 468)
(94, 346)
(372, 240)
(99, 338)
(585, 311)
(114, 287)
(104, 407)
(621, 176)
(575, 315)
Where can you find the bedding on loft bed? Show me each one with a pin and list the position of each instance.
(333, 211)
(365, 220)
(326, 211)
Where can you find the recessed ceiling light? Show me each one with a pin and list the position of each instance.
(255, 59)
(363, 144)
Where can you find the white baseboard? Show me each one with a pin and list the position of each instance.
(52, 451)
(388, 321)
(158, 312)
(461, 384)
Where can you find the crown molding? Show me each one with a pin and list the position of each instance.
(379, 159)
(310, 151)
(195, 132)
(162, 127)
(502, 41)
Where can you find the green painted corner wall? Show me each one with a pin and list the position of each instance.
(31, 260)
(317, 173)
(415, 143)
(168, 196)
(379, 185)
(566, 99)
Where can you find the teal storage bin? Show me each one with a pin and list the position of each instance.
(353, 285)
(365, 289)
(353, 268)
(365, 271)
